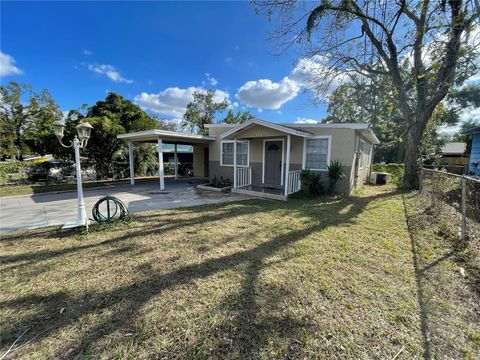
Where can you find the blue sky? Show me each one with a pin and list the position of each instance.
(153, 53)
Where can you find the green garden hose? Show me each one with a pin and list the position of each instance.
(120, 212)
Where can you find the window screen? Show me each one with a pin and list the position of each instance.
(317, 154)
(242, 153)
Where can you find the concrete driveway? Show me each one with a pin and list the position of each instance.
(34, 211)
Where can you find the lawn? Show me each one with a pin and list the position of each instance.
(11, 190)
(14, 190)
(330, 278)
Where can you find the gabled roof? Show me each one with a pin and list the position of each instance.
(250, 123)
(475, 130)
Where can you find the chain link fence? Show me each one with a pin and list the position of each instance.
(454, 202)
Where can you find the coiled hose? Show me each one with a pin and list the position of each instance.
(120, 212)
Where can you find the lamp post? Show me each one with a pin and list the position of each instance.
(79, 142)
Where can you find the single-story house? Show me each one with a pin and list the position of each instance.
(265, 159)
(453, 149)
(474, 157)
(453, 157)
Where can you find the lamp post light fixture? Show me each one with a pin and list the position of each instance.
(80, 141)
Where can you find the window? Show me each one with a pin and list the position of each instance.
(361, 157)
(364, 153)
(317, 153)
(226, 158)
(368, 154)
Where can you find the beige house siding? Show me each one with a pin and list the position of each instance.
(199, 160)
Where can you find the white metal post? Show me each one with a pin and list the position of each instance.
(176, 161)
(161, 171)
(464, 208)
(130, 159)
(81, 214)
(287, 165)
(235, 163)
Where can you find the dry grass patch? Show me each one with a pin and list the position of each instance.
(254, 279)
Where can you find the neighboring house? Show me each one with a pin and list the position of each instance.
(453, 156)
(474, 160)
(265, 159)
(453, 149)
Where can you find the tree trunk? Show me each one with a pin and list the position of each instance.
(413, 154)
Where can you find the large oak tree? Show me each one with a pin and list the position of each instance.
(420, 45)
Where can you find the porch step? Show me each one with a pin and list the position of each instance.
(260, 194)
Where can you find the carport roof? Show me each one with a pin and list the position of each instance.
(167, 136)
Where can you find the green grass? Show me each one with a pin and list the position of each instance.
(11, 190)
(254, 279)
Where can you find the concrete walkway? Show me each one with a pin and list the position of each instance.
(34, 211)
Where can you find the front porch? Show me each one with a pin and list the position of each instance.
(243, 185)
(272, 165)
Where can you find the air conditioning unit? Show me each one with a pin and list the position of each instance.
(378, 178)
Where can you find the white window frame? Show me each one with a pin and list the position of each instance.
(283, 159)
(232, 141)
(329, 153)
(362, 154)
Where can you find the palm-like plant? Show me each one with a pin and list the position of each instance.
(335, 173)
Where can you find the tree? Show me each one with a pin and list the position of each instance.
(202, 111)
(462, 137)
(419, 45)
(23, 117)
(357, 102)
(238, 118)
(110, 117)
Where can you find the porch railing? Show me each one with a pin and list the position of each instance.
(293, 183)
(244, 176)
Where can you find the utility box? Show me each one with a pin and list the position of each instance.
(378, 178)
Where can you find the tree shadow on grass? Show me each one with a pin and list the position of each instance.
(124, 302)
(425, 267)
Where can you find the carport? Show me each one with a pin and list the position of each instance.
(160, 137)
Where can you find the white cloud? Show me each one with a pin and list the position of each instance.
(87, 52)
(173, 101)
(470, 114)
(109, 71)
(314, 74)
(211, 79)
(228, 59)
(301, 120)
(7, 65)
(265, 94)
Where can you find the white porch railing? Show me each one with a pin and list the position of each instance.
(293, 182)
(244, 176)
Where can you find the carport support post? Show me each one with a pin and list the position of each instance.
(130, 159)
(235, 163)
(287, 165)
(176, 161)
(161, 171)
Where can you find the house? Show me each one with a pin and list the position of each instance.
(453, 149)
(474, 157)
(453, 157)
(265, 159)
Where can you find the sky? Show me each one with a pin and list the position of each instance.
(156, 54)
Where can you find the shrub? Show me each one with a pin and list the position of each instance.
(16, 167)
(395, 171)
(311, 183)
(335, 173)
(220, 183)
